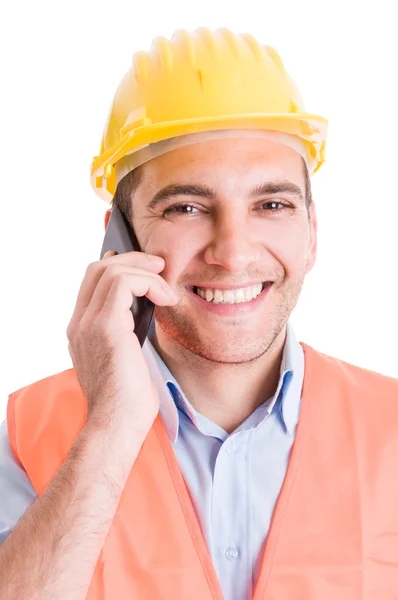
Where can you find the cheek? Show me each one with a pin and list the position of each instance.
(289, 246)
(178, 249)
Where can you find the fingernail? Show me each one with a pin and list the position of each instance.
(156, 259)
(174, 292)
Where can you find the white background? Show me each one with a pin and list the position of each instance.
(61, 64)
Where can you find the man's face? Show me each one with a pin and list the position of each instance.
(235, 232)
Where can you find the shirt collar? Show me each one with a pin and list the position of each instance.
(162, 377)
(285, 400)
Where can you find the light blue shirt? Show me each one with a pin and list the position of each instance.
(234, 479)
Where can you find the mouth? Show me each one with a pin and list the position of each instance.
(226, 306)
(241, 295)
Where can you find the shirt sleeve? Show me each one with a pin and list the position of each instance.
(16, 491)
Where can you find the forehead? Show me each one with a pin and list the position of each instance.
(219, 162)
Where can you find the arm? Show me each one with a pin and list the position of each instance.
(16, 491)
(54, 548)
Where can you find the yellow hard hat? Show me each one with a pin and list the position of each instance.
(198, 82)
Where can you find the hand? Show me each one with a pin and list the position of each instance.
(106, 354)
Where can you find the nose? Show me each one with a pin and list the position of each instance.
(234, 245)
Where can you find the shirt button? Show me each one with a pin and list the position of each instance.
(231, 553)
(231, 446)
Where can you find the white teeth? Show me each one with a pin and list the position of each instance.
(239, 295)
(209, 295)
(248, 294)
(230, 296)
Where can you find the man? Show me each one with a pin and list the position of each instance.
(269, 471)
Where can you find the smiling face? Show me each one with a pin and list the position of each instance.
(245, 222)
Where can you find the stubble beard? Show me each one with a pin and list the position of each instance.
(236, 346)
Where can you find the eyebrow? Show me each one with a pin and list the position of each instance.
(204, 191)
(181, 190)
(277, 187)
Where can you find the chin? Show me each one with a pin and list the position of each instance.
(233, 346)
(220, 354)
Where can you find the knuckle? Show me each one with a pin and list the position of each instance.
(85, 328)
(111, 269)
(122, 280)
(101, 328)
(111, 273)
(70, 331)
(93, 267)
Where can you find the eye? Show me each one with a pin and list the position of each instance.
(181, 209)
(281, 205)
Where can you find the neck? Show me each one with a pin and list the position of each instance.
(230, 392)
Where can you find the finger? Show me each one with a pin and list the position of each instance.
(141, 283)
(142, 260)
(95, 271)
(123, 289)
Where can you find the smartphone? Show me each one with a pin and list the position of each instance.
(120, 237)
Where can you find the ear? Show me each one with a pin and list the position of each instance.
(107, 217)
(313, 238)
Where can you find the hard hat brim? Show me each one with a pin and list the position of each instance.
(312, 129)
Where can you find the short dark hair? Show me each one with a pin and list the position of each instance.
(123, 197)
(308, 191)
(125, 189)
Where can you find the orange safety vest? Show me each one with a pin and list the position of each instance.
(334, 532)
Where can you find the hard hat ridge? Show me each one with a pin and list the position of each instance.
(198, 82)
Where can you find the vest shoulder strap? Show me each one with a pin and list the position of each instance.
(43, 420)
